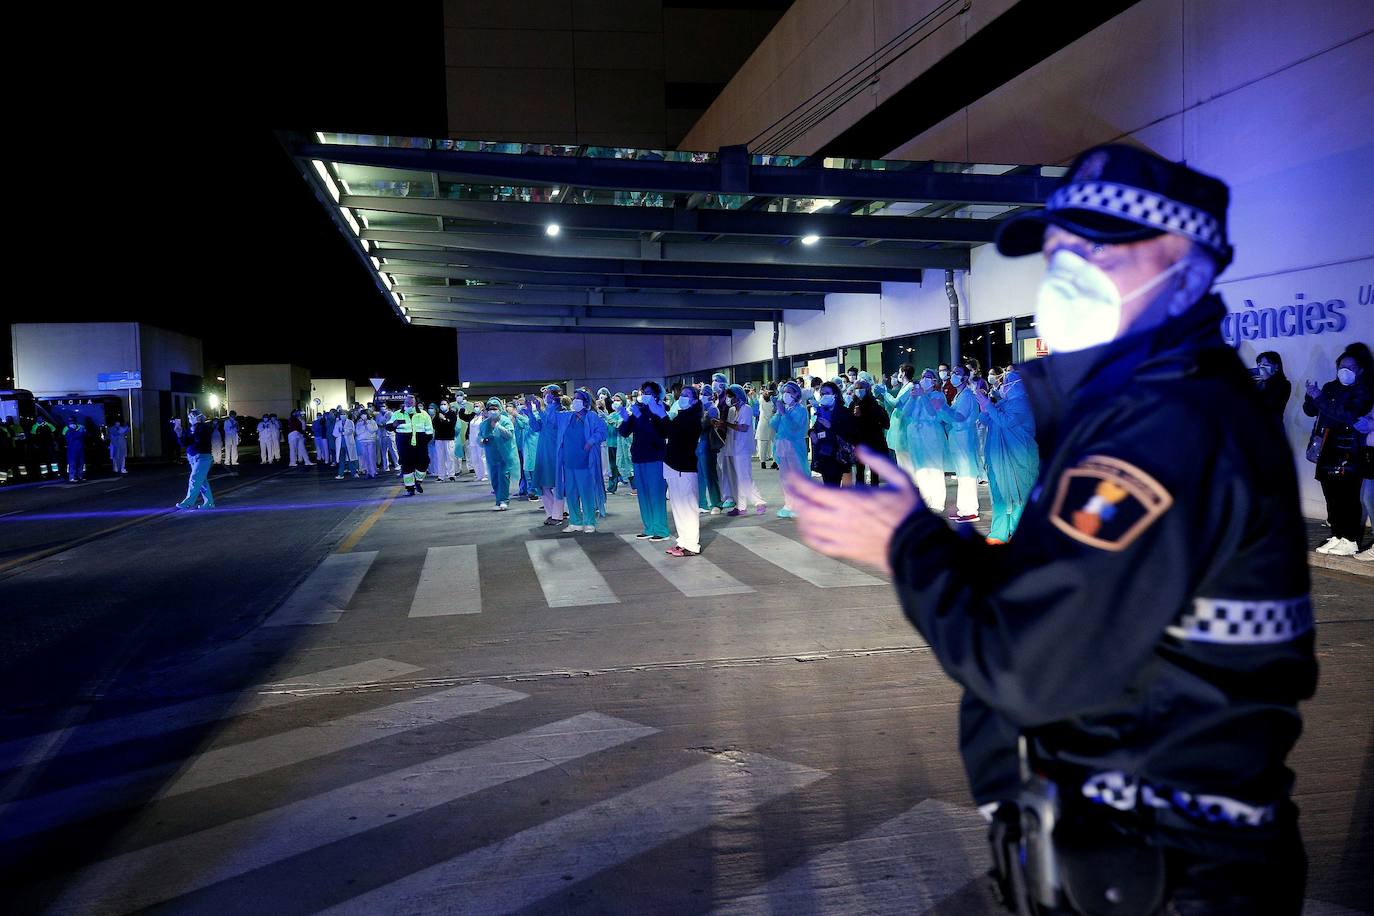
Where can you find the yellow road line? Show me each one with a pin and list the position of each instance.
(349, 542)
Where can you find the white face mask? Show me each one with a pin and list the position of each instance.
(1078, 306)
(684, 403)
(579, 405)
(827, 400)
(927, 383)
(616, 405)
(944, 375)
(1346, 376)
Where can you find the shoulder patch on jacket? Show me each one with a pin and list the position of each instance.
(1107, 503)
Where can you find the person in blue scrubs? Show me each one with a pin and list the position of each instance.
(544, 416)
(580, 434)
(194, 436)
(497, 438)
(75, 434)
(790, 422)
(647, 422)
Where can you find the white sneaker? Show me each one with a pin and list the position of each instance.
(497, 507)
(575, 529)
(1367, 556)
(1344, 548)
(1326, 548)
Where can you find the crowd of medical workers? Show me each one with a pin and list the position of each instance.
(694, 449)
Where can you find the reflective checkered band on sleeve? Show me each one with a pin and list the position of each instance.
(1243, 623)
(1139, 206)
(1124, 792)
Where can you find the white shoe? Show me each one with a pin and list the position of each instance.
(575, 529)
(1326, 548)
(716, 511)
(1367, 556)
(1344, 548)
(496, 508)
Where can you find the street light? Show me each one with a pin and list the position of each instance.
(552, 229)
(810, 239)
(214, 401)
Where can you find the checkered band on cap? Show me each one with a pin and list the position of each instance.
(1139, 206)
(1243, 623)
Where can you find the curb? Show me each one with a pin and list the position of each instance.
(1342, 564)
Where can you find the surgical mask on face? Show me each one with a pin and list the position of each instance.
(717, 387)
(789, 398)
(1078, 306)
(927, 383)
(1265, 371)
(616, 405)
(1346, 376)
(683, 403)
(944, 375)
(491, 411)
(579, 405)
(956, 380)
(827, 400)
(444, 408)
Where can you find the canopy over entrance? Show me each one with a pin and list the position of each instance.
(535, 236)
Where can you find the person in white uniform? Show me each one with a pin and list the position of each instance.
(739, 453)
(119, 446)
(365, 431)
(231, 439)
(265, 440)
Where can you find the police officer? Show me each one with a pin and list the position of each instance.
(413, 431)
(1135, 656)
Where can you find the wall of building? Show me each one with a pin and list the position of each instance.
(54, 359)
(164, 352)
(255, 389)
(332, 392)
(604, 72)
(617, 361)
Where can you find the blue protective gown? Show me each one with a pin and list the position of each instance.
(790, 429)
(1013, 459)
(497, 435)
(961, 432)
(925, 431)
(544, 424)
(579, 468)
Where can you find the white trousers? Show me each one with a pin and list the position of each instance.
(217, 450)
(274, 446)
(367, 457)
(930, 482)
(391, 458)
(231, 449)
(740, 469)
(967, 500)
(264, 451)
(296, 443)
(723, 475)
(443, 450)
(478, 459)
(682, 499)
(765, 450)
(553, 506)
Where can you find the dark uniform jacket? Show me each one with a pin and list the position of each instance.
(445, 422)
(1149, 627)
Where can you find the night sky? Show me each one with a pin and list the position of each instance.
(213, 232)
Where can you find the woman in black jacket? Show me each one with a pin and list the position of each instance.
(1337, 405)
(870, 427)
(832, 436)
(1272, 385)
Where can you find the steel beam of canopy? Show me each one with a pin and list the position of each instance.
(538, 321)
(617, 281)
(632, 332)
(669, 219)
(662, 317)
(700, 252)
(706, 301)
(635, 267)
(733, 173)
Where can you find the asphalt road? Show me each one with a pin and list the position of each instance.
(322, 697)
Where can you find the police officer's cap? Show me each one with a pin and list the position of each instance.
(1114, 194)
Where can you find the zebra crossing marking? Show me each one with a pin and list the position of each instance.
(449, 583)
(324, 594)
(534, 863)
(199, 860)
(250, 758)
(566, 575)
(798, 559)
(104, 732)
(905, 865)
(696, 578)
